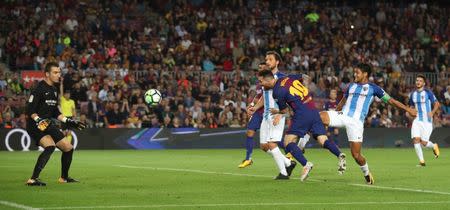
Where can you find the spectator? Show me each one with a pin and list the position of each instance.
(446, 105)
(208, 61)
(114, 118)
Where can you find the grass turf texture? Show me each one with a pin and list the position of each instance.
(186, 179)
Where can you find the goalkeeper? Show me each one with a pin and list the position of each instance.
(42, 107)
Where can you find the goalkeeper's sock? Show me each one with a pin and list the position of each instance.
(66, 160)
(42, 161)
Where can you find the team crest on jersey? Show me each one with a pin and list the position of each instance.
(283, 82)
(365, 88)
(56, 94)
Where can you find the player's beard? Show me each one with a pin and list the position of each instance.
(272, 68)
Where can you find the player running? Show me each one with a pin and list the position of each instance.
(422, 126)
(352, 111)
(42, 106)
(290, 91)
(253, 125)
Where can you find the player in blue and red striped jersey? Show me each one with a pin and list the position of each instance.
(289, 91)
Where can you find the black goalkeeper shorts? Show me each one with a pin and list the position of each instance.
(37, 134)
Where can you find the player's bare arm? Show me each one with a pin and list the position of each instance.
(398, 104)
(257, 106)
(341, 104)
(281, 112)
(436, 107)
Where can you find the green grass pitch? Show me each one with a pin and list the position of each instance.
(210, 179)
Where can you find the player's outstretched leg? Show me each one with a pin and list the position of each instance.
(355, 147)
(249, 149)
(40, 164)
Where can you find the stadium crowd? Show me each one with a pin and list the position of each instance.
(203, 56)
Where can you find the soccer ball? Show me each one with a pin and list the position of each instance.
(152, 97)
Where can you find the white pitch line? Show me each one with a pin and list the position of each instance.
(401, 189)
(191, 170)
(16, 205)
(265, 176)
(204, 172)
(249, 204)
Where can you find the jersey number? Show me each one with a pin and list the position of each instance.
(297, 89)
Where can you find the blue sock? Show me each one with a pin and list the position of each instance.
(332, 147)
(281, 146)
(296, 152)
(336, 139)
(249, 147)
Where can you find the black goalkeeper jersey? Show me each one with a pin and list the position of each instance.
(43, 101)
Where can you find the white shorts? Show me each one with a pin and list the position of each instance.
(421, 129)
(270, 133)
(354, 127)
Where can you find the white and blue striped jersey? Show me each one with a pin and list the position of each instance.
(269, 102)
(359, 97)
(423, 101)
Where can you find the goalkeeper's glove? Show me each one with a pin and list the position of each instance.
(42, 124)
(75, 124)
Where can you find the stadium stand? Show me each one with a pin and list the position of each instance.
(202, 55)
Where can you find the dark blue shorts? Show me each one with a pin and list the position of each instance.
(306, 122)
(255, 121)
(331, 129)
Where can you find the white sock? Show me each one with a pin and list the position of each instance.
(365, 169)
(279, 160)
(287, 162)
(303, 141)
(419, 152)
(429, 144)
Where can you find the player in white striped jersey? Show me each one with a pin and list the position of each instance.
(422, 126)
(272, 125)
(352, 111)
